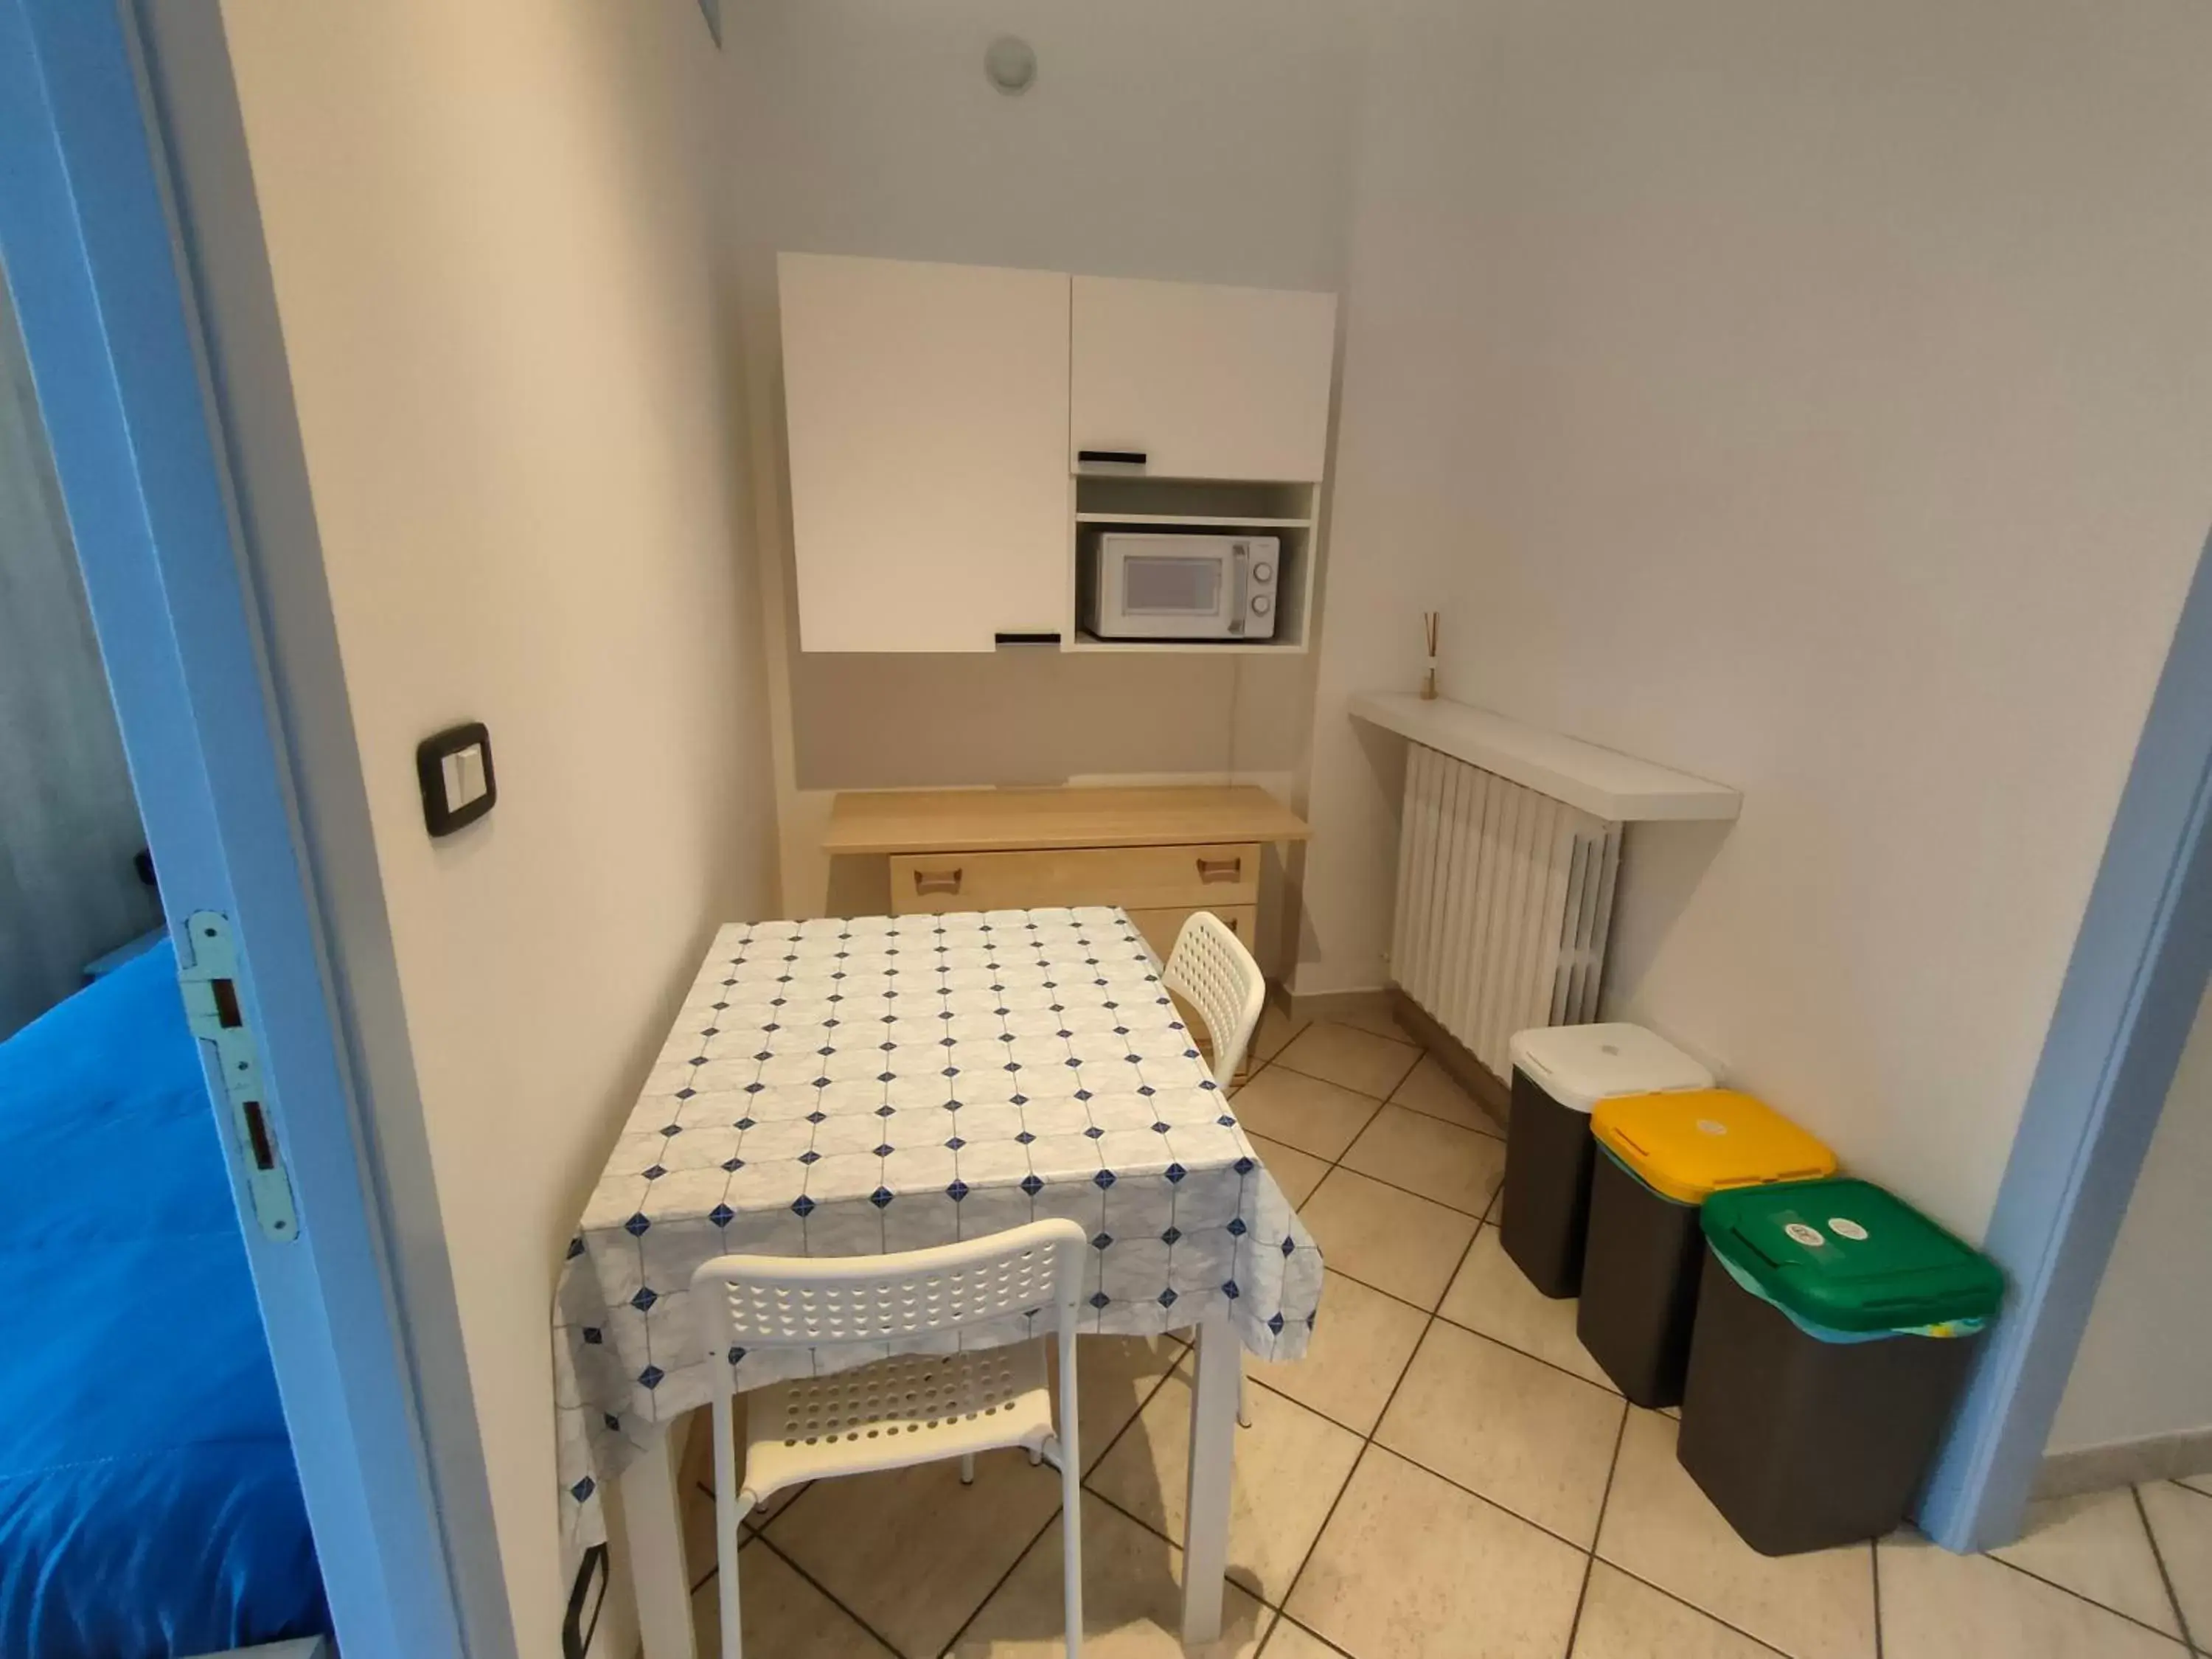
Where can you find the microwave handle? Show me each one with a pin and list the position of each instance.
(1241, 603)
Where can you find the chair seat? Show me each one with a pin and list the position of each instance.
(910, 1408)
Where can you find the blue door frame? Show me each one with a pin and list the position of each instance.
(2124, 1010)
(92, 257)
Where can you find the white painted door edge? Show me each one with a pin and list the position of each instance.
(2131, 990)
(109, 323)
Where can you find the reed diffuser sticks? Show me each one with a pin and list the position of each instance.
(1429, 633)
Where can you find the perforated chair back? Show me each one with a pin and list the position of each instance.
(788, 1302)
(1211, 968)
(933, 1396)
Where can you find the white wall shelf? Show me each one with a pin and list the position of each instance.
(1083, 641)
(1602, 781)
(1194, 521)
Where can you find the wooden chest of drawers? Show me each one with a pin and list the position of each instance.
(1159, 853)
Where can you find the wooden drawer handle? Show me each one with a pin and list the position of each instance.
(1210, 870)
(937, 881)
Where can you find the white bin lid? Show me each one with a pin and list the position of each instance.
(1578, 1066)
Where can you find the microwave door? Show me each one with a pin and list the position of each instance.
(1157, 592)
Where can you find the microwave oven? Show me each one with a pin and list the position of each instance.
(1175, 586)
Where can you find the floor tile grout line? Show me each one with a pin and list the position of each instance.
(1500, 1342)
(1367, 1438)
(821, 1589)
(1283, 1619)
(1467, 1330)
(2158, 1554)
(1482, 1497)
(1874, 1572)
(1338, 1163)
(2101, 1606)
(1390, 1099)
(1176, 1545)
(1367, 1444)
(999, 1583)
(1456, 1324)
(1590, 1556)
(1681, 1600)
(1082, 1485)
(760, 1533)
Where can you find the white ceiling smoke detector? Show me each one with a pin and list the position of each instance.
(1009, 63)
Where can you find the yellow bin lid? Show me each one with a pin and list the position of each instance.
(1689, 1144)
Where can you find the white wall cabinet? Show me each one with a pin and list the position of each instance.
(926, 407)
(935, 416)
(1204, 382)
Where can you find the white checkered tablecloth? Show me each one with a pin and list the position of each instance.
(847, 1087)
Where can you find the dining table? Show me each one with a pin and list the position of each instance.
(847, 1087)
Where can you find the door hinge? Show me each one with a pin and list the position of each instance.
(217, 1014)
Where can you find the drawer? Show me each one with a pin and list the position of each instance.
(1182, 878)
(1160, 927)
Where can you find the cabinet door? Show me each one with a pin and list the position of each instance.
(926, 409)
(1203, 382)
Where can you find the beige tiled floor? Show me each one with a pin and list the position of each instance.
(1446, 1475)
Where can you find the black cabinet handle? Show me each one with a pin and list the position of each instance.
(1111, 457)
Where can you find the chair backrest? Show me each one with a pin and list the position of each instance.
(793, 1301)
(1211, 968)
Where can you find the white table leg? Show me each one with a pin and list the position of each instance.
(1212, 1455)
(653, 1526)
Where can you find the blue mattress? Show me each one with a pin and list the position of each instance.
(149, 1504)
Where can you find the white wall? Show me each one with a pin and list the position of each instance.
(2144, 1368)
(1207, 144)
(1815, 398)
(492, 230)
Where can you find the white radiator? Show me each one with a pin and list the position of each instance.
(1505, 896)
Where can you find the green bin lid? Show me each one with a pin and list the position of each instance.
(1848, 1255)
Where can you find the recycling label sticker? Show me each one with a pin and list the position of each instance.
(1843, 1227)
(1810, 1237)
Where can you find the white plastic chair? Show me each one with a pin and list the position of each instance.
(1211, 968)
(911, 1408)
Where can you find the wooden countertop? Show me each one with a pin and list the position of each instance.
(997, 820)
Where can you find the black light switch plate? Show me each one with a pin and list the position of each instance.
(445, 805)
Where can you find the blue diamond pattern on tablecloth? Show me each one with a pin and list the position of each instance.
(790, 1153)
